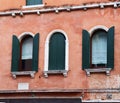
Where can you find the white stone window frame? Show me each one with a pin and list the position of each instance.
(31, 73)
(21, 36)
(96, 70)
(46, 57)
(91, 31)
(34, 6)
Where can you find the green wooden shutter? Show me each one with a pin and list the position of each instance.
(29, 2)
(33, 2)
(85, 49)
(15, 54)
(110, 48)
(57, 52)
(35, 52)
(38, 2)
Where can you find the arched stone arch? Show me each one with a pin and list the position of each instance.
(21, 36)
(96, 28)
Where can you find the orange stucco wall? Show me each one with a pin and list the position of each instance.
(71, 2)
(11, 4)
(70, 22)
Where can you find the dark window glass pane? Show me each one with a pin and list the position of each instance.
(26, 65)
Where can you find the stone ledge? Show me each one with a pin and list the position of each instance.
(31, 73)
(64, 72)
(98, 70)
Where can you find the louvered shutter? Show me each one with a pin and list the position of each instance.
(15, 54)
(110, 48)
(85, 49)
(35, 52)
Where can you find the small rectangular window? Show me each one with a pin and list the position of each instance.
(33, 2)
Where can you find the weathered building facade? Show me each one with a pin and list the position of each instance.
(60, 49)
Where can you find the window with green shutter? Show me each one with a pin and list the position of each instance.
(25, 54)
(98, 50)
(33, 2)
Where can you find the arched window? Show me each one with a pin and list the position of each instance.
(57, 52)
(99, 48)
(25, 54)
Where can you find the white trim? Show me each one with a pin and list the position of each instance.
(33, 6)
(21, 36)
(46, 59)
(96, 28)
